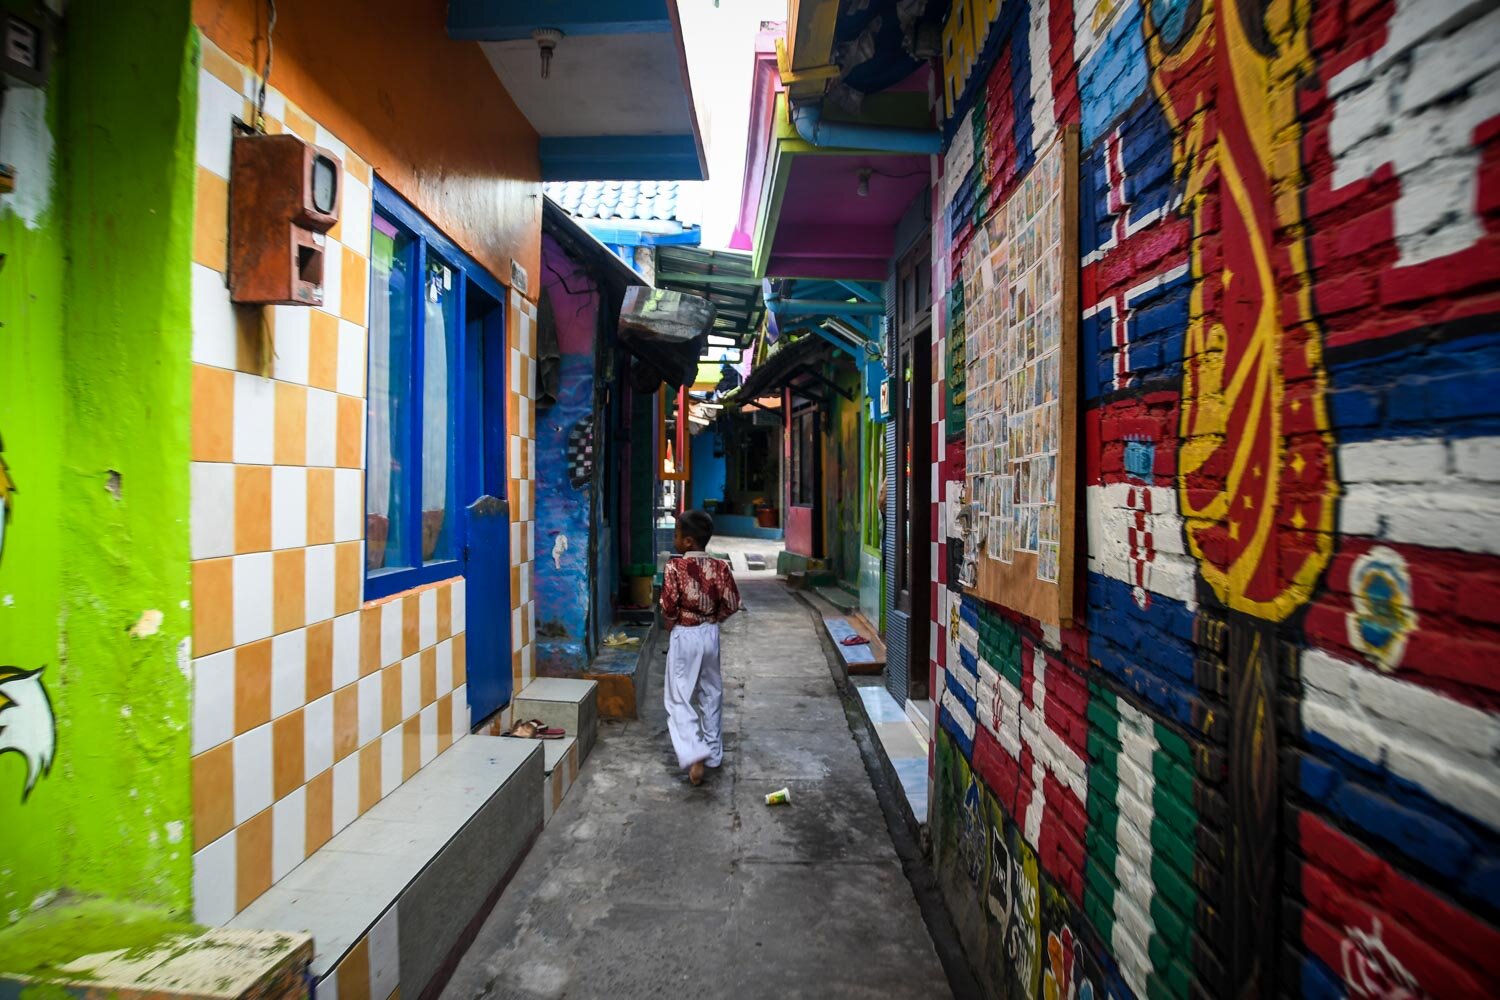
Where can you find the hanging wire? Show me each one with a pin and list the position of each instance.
(265, 76)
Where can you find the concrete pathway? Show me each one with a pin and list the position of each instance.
(643, 886)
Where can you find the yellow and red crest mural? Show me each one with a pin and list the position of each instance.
(1255, 476)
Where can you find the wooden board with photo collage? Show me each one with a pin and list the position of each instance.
(1020, 301)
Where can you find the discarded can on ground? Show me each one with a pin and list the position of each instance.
(782, 797)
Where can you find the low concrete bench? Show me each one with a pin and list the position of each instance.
(569, 704)
(394, 897)
(621, 671)
(561, 761)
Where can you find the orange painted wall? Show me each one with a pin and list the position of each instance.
(427, 112)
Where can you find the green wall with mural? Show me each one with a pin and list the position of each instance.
(95, 387)
(872, 517)
(841, 475)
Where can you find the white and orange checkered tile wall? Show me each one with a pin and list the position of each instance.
(309, 705)
(521, 447)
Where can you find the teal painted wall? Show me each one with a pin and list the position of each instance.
(709, 469)
(95, 417)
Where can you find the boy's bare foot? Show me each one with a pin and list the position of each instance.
(695, 773)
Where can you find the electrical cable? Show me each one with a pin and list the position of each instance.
(265, 76)
(564, 282)
(882, 173)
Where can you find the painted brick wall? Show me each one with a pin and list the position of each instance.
(1268, 756)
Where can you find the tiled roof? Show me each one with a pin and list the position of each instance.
(649, 201)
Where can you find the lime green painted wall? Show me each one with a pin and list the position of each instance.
(95, 417)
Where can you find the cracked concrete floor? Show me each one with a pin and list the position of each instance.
(643, 886)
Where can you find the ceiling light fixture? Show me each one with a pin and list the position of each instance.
(546, 40)
(863, 187)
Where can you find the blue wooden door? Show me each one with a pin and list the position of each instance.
(487, 554)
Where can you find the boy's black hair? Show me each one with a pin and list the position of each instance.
(697, 525)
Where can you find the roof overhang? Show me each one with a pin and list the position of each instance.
(617, 103)
(724, 278)
(765, 85)
(610, 270)
(857, 48)
(805, 56)
(796, 364)
(854, 310)
(827, 212)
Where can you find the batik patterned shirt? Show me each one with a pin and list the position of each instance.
(698, 589)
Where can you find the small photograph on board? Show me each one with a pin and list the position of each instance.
(1046, 562)
(1025, 529)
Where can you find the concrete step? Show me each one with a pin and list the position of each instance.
(899, 745)
(561, 761)
(568, 703)
(218, 964)
(788, 563)
(840, 598)
(919, 714)
(393, 898)
(620, 672)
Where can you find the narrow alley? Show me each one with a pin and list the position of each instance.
(1097, 401)
(642, 884)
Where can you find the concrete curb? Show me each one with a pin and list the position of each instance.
(905, 832)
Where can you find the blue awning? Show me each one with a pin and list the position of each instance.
(615, 103)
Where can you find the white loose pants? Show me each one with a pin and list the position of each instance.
(694, 694)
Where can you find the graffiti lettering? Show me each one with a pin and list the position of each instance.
(26, 723)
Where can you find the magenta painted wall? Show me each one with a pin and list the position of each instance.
(575, 312)
(825, 189)
(764, 88)
(799, 530)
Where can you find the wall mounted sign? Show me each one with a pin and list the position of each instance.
(1019, 277)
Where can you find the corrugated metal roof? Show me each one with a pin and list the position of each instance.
(724, 277)
(647, 201)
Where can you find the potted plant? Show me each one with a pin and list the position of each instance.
(765, 514)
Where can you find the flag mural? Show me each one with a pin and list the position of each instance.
(1371, 931)
(1029, 742)
(1280, 701)
(1145, 831)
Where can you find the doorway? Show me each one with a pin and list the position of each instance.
(804, 526)
(913, 463)
(486, 555)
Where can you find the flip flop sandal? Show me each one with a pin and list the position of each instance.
(542, 731)
(523, 730)
(855, 640)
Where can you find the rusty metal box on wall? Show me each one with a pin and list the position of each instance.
(284, 196)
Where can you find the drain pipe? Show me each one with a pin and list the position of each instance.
(810, 125)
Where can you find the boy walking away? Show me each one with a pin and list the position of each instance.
(697, 593)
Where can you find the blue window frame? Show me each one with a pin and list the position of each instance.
(420, 467)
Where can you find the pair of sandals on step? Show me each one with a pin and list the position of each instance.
(535, 729)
